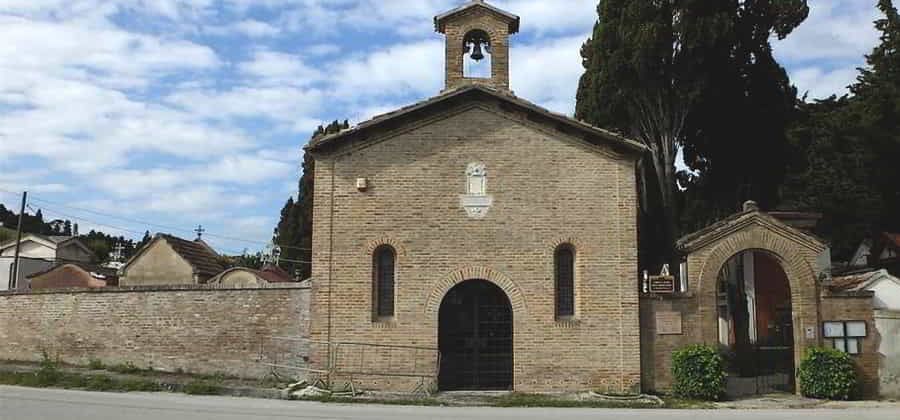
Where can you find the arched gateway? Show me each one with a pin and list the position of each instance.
(475, 338)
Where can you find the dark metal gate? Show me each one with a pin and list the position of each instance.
(475, 338)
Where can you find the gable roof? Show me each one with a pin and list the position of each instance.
(750, 216)
(53, 242)
(442, 18)
(197, 254)
(72, 275)
(860, 280)
(571, 126)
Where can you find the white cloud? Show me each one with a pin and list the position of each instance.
(548, 72)
(414, 68)
(276, 68)
(821, 84)
(281, 104)
(250, 28)
(823, 53)
(256, 29)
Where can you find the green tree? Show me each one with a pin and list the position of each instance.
(877, 103)
(666, 72)
(832, 172)
(294, 231)
(844, 149)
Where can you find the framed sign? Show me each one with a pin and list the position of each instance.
(662, 284)
(668, 323)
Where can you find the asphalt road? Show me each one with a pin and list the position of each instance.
(33, 404)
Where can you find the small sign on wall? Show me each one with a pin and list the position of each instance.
(810, 333)
(662, 284)
(669, 323)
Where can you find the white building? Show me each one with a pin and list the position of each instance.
(886, 303)
(38, 253)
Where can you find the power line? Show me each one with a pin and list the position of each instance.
(152, 224)
(119, 228)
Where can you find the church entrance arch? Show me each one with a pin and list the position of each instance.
(475, 338)
(756, 328)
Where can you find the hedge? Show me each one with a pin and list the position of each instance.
(699, 373)
(827, 374)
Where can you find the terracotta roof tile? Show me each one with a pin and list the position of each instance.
(197, 254)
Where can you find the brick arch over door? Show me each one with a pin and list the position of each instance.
(440, 289)
(795, 259)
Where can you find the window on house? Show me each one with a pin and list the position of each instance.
(846, 336)
(565, 281)
(383, 272)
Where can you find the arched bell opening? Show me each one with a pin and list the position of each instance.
(477, 52)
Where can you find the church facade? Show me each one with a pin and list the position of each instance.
(476, 241)
(478, 225)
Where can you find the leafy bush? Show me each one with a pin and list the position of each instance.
(699, 373)
(96, 364)
(827, 374)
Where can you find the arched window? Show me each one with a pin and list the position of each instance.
(383, 260)
(564, 261)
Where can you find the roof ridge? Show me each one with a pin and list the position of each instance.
(605, 134)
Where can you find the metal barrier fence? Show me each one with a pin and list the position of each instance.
(354, 360)
(290, 356)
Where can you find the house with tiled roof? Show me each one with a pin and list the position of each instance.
(38, 253)
(170, 260)
(73, 276)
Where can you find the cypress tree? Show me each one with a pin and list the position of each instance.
(294, 231)
(699, 76)
(877, 104)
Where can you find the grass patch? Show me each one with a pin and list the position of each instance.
(54, 378)
(96, 364)
(126, 368)
(202, 388)
(421, 402)
(518, 399)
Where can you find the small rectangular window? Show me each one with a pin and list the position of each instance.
(846, 336)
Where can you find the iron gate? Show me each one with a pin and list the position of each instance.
(476, 338)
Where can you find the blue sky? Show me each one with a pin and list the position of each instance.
(167, 114)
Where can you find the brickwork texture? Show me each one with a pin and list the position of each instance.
(196, 329)
(547, 189)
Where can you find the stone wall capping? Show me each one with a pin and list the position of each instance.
(147, 289)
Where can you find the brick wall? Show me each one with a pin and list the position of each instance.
(456, 30)
(547, 189)
(857, 307)
(657, 348)
(194, 328)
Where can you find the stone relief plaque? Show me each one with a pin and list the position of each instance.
(668, 323)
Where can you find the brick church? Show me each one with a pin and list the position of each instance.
(482, 241)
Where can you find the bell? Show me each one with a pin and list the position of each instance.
(477, 55)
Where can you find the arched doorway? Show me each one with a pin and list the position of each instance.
(756, 329)
(475, 338)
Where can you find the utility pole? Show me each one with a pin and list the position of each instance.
(15, 268)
